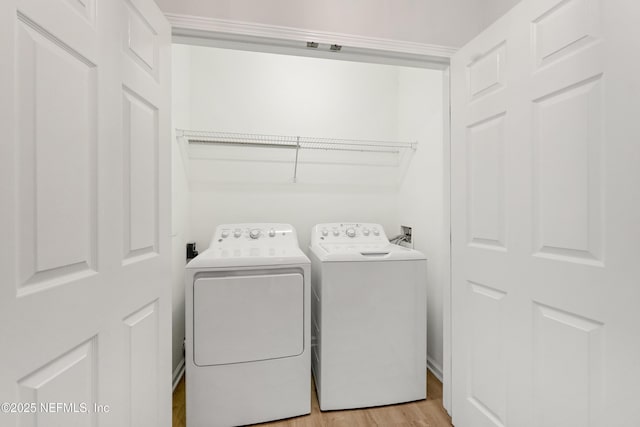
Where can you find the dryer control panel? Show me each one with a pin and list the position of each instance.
(257, 234)
(348, 232)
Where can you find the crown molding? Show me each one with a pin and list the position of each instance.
(187, 25)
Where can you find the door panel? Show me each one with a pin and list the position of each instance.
(56, 150)
(486, 358)
(68, 379)
(485, 172)
(141, 41)
(143, 335)
(81, 321)
(568, 347)
(487, 72)
(544, 218)
(145, 210)
(567, 176)
(562, 28)
(480, 231)
(140, 176)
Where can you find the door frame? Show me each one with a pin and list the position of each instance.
(249, 36)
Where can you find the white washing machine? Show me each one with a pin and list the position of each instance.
(369, 318)
(248, 327)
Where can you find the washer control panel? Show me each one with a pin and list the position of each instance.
(257, 234)
(348, 232)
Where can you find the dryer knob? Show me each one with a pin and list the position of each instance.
(237, 233)
(225, 234)
(376, 232)
(272, 233)
(255, 233)
(365, 231)
(325, 232)
(336, 232)
(351, 232)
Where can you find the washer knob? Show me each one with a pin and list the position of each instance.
(237, 233)
(272, 233)
(225, 234)
(376, 232)
(325, 231)
(255, 233)
(336, 232)
(365, 231)
(351, 232)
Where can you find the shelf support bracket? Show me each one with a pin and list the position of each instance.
(295, 166)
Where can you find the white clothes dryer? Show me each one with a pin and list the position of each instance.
(369, 318)
(248, 327)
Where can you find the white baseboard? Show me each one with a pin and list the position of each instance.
(177, 374)
(435, 368)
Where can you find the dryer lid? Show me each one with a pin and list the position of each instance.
(248, 257)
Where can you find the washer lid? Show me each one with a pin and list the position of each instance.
(328, 252)
(356, 241)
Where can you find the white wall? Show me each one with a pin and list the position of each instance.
(252, 92)
(181, 98)
(283, 94)
(494, 9)
(420, 198)
(439, 22)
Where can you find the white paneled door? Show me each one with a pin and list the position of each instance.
(546, 218)
(84, 214)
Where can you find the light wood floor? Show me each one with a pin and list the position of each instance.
(425, 413)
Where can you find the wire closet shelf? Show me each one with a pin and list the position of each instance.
(293, 142)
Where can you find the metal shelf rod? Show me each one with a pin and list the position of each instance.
(297, 142)
(242, 143)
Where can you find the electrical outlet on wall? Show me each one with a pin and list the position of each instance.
(408, 239)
